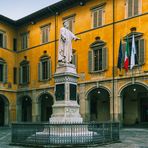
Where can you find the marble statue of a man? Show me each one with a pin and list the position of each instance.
(65, 44)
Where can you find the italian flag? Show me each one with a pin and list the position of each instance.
(126, 59)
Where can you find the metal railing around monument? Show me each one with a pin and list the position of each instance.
(41, 134)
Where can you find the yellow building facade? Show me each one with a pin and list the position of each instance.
(29, 56)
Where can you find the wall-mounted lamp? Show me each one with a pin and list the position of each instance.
(82, 3)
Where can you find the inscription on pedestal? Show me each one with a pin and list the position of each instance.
(73, 92)
(60, 92)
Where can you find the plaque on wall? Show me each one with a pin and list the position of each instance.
(73, 92)
(60, 92)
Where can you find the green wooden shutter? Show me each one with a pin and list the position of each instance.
(136, 7)
(50, 69)
(40, 71)
(5, 73)
(20, 75)
(123, 53)
(28, 73)
(70, 24)
(90, 61)
(100, 15)
(130, 7)
(141, 52)
(4, 41)
(95, 16)
(104, 59)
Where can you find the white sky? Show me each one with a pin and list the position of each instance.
(16, 9)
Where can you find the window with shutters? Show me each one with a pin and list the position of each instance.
(44, 68)
(133, 7)
(97, 56)
(3, 71)
(98, 17)
(24, 40)
(70, 21)
(139, 45)
(24, 72)
(45, 34)
(3, 39)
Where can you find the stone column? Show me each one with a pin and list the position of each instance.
(83, 110)
(35, 107)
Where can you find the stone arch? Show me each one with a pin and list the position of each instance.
(94, 87)
(4, 110)
(99, 103)
(45, 101)
(130, 83)
(133, 102)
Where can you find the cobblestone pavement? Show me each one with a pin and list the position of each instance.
(130, 138)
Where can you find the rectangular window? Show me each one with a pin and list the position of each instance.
(3, 39)
(15, 44)
(24, 74)
(45, 34)
(133, 7)
(98, 17)
(1, 72)
(24, 40)
(70, 21)
(97, 59)
(45, 70)
(15, 75)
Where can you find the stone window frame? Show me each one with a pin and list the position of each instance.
(44, 58)
(4, 71)
(95, 11)
(133, 5)
(3, 43)
(24, 72)
(25, 40)
(97, 45)
(71, 20)
(45, 33)
(140, 41)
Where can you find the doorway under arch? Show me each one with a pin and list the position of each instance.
(134, 104)
(99, 102)
(26, 109)
(4, 111)
(46, 102)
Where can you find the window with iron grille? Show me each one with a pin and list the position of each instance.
(44, 68)
(24, 40)
(45, 34)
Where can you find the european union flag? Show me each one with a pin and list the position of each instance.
(120, 56)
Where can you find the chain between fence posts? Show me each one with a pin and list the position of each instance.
(111, 132)
(103, 133)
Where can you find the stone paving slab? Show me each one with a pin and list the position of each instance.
(130, 138)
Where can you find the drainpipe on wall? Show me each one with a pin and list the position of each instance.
(55, 31)
(113, 62)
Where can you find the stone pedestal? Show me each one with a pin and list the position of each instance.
(66, 108)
